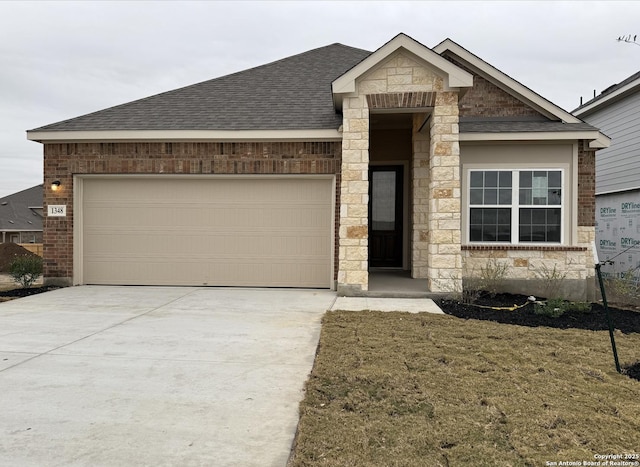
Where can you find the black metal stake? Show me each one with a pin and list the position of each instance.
(606, 309)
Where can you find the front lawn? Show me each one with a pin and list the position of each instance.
(398, 389)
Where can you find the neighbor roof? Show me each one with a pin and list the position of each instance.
(22, 211)
(290, 94)
(610, 95)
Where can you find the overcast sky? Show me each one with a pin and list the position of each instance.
(64, 59)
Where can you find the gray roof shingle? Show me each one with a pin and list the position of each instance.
(522, 127)
(22, 211)
(290, 94)
(611, 89)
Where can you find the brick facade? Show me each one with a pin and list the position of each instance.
(399, 83)
(487, 100)
(586, 184)
(63, 161)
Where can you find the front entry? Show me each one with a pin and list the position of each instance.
(385, 216)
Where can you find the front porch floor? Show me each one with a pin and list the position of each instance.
(396, 283)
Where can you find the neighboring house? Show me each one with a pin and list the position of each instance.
(616, 111)
(21, 216)
(317, 170)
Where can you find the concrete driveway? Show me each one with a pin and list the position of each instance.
(118, 376)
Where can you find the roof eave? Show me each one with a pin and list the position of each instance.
(183, 135)
(596, 139)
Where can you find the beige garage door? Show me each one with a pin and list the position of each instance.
(266, 232)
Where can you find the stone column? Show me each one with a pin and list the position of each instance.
(353, 275)
(420, 194)
(444, 269)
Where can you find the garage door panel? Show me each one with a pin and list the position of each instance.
(136, 271)
(249, 232)
(208, 246)
(177, 217)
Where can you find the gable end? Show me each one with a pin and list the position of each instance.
(486, 100)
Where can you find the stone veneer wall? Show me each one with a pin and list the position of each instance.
(445, 259)
(420, 189)
(63, 161)
(436, 198)
(533, 270)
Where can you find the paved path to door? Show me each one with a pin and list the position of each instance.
(119, 376)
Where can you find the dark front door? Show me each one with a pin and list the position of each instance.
(385, 216)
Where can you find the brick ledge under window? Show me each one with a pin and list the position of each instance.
(523, 248)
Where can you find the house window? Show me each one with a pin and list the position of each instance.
(515, 206)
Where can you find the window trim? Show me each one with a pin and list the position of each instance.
(515, 202)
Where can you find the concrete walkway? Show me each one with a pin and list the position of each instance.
(152, 376)
(411, 305)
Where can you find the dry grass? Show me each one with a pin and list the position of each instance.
(394, 389)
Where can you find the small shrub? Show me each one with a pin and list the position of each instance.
(553, 308)
(623, 288)
(488, 279)
(492, 276)
(25, 270)
(552, 279)
(582, 307)
(472, 290)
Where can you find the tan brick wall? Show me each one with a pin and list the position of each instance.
(62, 161)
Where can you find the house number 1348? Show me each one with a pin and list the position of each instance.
(57, 211)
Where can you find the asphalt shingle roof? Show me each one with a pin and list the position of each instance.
(290, 94)
(522, 126)
(610, 90)
(16, 213)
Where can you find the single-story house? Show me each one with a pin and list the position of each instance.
(319, 169)
(21, 216)
(616, 111)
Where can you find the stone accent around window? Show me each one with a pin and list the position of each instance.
(537, 270)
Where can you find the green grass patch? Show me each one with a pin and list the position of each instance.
(398, 389)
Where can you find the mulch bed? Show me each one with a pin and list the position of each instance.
(593, 319)
(20, 292)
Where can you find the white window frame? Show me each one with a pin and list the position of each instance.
(515, 203)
